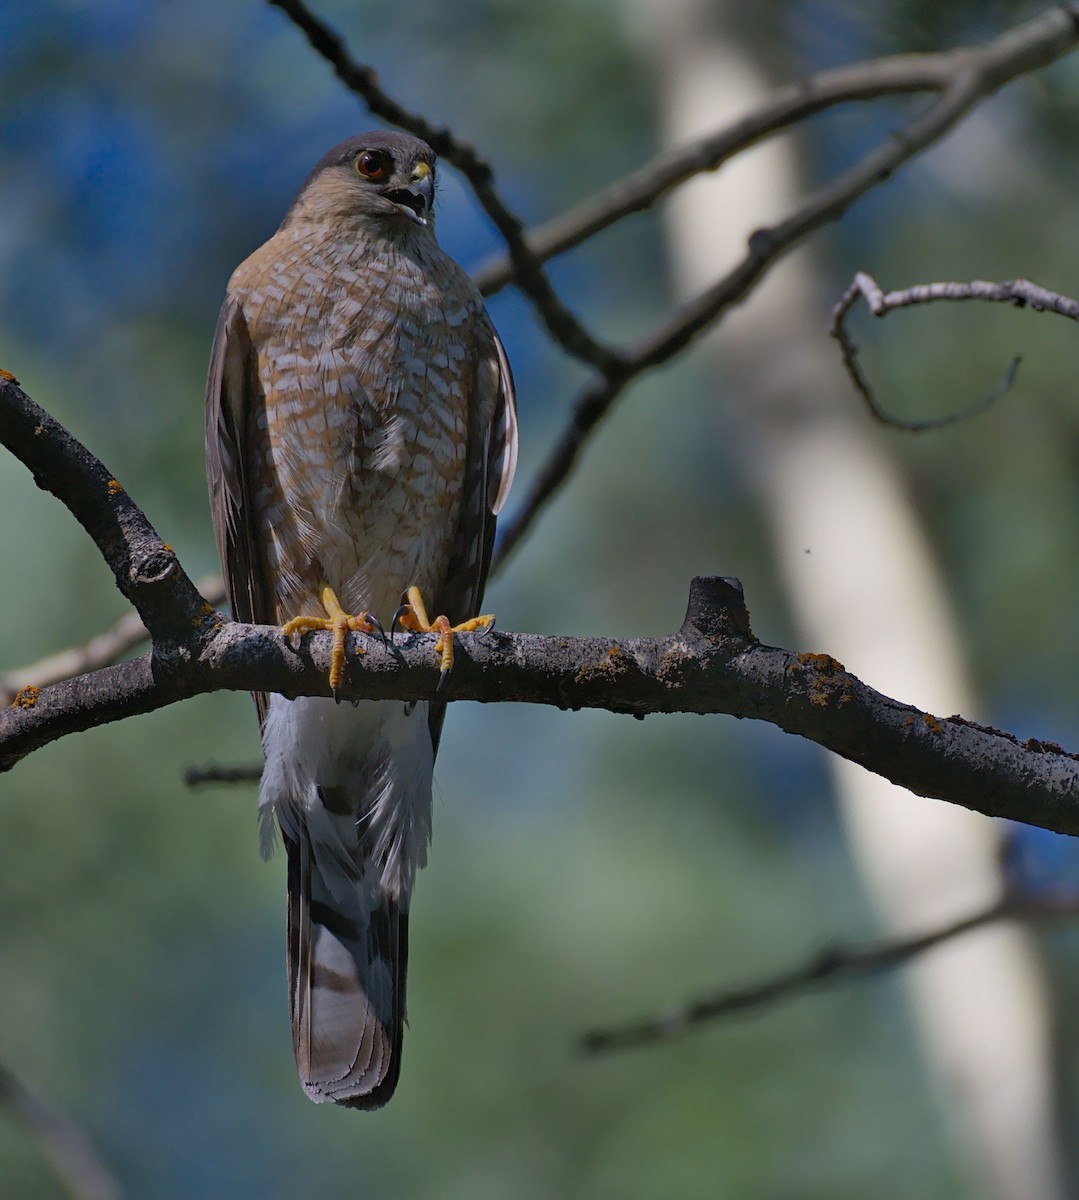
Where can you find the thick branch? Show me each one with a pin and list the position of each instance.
(713, 664)
(124, 635)
(145, 568)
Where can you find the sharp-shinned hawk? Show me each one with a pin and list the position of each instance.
(361, 436)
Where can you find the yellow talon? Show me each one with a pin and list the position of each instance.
(339, 623)
(413, 616)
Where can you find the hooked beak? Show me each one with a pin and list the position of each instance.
(415, 201)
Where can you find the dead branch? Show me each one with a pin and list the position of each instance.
(873, 80)
(1020, 293)
(73, 1157)
(529, 275)
(712, 664)
(976, 73)
(118, 641)
(828, 966)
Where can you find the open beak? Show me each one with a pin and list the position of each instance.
(415, 201)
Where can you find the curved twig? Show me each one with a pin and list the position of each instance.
(1018, 292)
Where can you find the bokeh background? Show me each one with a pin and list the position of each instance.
(586, 868)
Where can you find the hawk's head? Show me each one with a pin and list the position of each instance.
(382, 174)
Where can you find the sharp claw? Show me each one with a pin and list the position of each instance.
(487, 628)
(396, 617)
(378, 626)
(336, 695)
(443, 675)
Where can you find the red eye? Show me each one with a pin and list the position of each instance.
(373, 164)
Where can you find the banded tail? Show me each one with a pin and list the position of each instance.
(351, 792)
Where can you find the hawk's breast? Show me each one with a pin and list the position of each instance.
(360, 445)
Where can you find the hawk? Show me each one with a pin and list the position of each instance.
(361, 437)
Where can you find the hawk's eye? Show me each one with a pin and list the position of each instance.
(374, 164)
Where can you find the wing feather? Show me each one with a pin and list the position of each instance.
(233, 396)
(490, 465)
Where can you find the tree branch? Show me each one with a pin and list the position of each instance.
(529, 275)
(643, 188)
(1018, 292)
(713, 664)
(125, 635)
(1029, 46)
(830, 965)
(71, 1153)
(975, 74)
(145, 568)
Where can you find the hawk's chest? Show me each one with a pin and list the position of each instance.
(367, 368)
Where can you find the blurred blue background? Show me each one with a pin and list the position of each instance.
(585, 867)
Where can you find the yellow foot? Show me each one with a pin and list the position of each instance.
(338, 622)
(412, 615)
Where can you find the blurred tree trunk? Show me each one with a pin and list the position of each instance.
(861, 585)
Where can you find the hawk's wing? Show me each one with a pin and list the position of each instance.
(489, 470)
(233, 393)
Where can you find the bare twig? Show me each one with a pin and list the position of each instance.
(1018, 292)
(639, 191)
(562, 325)
(829, 965)
(124, 636)
(976, 73)
(200, 776)
(71, 1153)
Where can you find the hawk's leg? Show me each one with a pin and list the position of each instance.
(339, 623)
(412, 615)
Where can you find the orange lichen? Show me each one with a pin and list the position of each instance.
(825, 687)
(204, 612)
(932, 724)
(609, 664)
(7, 376)
(672, 666)
(114, 487)
(824, 663)
(26, 697)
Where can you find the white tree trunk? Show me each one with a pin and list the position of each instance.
(862, 586)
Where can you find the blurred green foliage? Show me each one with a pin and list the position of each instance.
(585, 867)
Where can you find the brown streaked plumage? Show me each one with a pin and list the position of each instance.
(360, 433)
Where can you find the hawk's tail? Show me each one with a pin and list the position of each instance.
(347, 955)
(350, 790)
